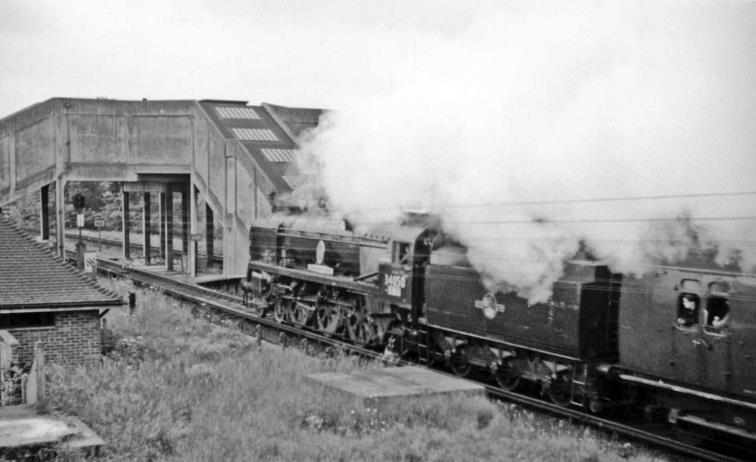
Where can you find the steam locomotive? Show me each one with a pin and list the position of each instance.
(675, 343)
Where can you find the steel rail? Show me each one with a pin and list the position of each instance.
(611, 425)
(219, 301)
(132, 245)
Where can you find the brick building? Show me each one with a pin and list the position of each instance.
(44, 299)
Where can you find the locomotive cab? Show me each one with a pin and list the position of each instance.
(401, 272)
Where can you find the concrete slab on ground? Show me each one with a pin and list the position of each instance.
(21, 426)
(375, 385)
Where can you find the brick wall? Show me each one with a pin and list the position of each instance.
(75, 339)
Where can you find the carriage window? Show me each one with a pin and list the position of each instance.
(717, 307)
(401, 253)
(688, 303)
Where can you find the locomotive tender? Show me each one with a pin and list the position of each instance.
(674, 342)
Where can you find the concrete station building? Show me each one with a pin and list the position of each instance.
(235, 156)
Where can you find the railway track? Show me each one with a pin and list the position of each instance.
(230, 306)
(227, 305)
(134, 246)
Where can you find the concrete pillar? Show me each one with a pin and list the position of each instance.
(169, 227)
(125, 224)
(163, 220)
(146, 228)
(60, 212)
(192, 260)
(194, 244)
(209, 233)
(44, 213)
(185, 220)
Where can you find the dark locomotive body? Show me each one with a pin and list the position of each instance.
(575, 323)
(678, 342)
(312, 270)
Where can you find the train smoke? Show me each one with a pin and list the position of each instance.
(529, 131)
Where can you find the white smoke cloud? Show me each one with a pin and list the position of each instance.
(539, 104)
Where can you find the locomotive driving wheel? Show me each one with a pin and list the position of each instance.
(301, 313)
(362, 329)
(281, 309)
(460, 363)
(559, 389)
(507, 375)
(328, 318)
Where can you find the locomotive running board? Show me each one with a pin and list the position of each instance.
(333, 281)
(687, 391)
(510, 344)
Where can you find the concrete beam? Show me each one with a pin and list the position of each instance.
(146, 228)
(193, 230)
(163, 223)
(144, 187)
(125, 224)
(185, 219)
(169, 227)
(209, 233)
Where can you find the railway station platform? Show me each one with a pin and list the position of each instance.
(376, 386)
(21, 427)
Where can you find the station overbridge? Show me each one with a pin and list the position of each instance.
(233, 155)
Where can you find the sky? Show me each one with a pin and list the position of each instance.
(303, 53)
(465, 108)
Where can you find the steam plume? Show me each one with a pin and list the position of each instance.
(494, 128)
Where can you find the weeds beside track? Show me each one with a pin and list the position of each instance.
(224, 308)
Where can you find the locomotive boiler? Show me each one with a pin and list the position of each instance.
(316, 271)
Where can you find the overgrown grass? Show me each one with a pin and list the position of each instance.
(179, 388)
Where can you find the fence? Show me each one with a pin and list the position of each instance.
(17, 386)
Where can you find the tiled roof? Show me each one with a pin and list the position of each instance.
(32, 277)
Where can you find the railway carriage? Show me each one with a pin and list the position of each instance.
(698, 367)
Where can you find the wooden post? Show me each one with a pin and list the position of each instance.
(60, 212)
(44, 213)
(39, 360)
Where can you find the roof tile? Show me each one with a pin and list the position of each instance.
(30, 274)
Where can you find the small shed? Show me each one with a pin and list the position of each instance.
(45, 299)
